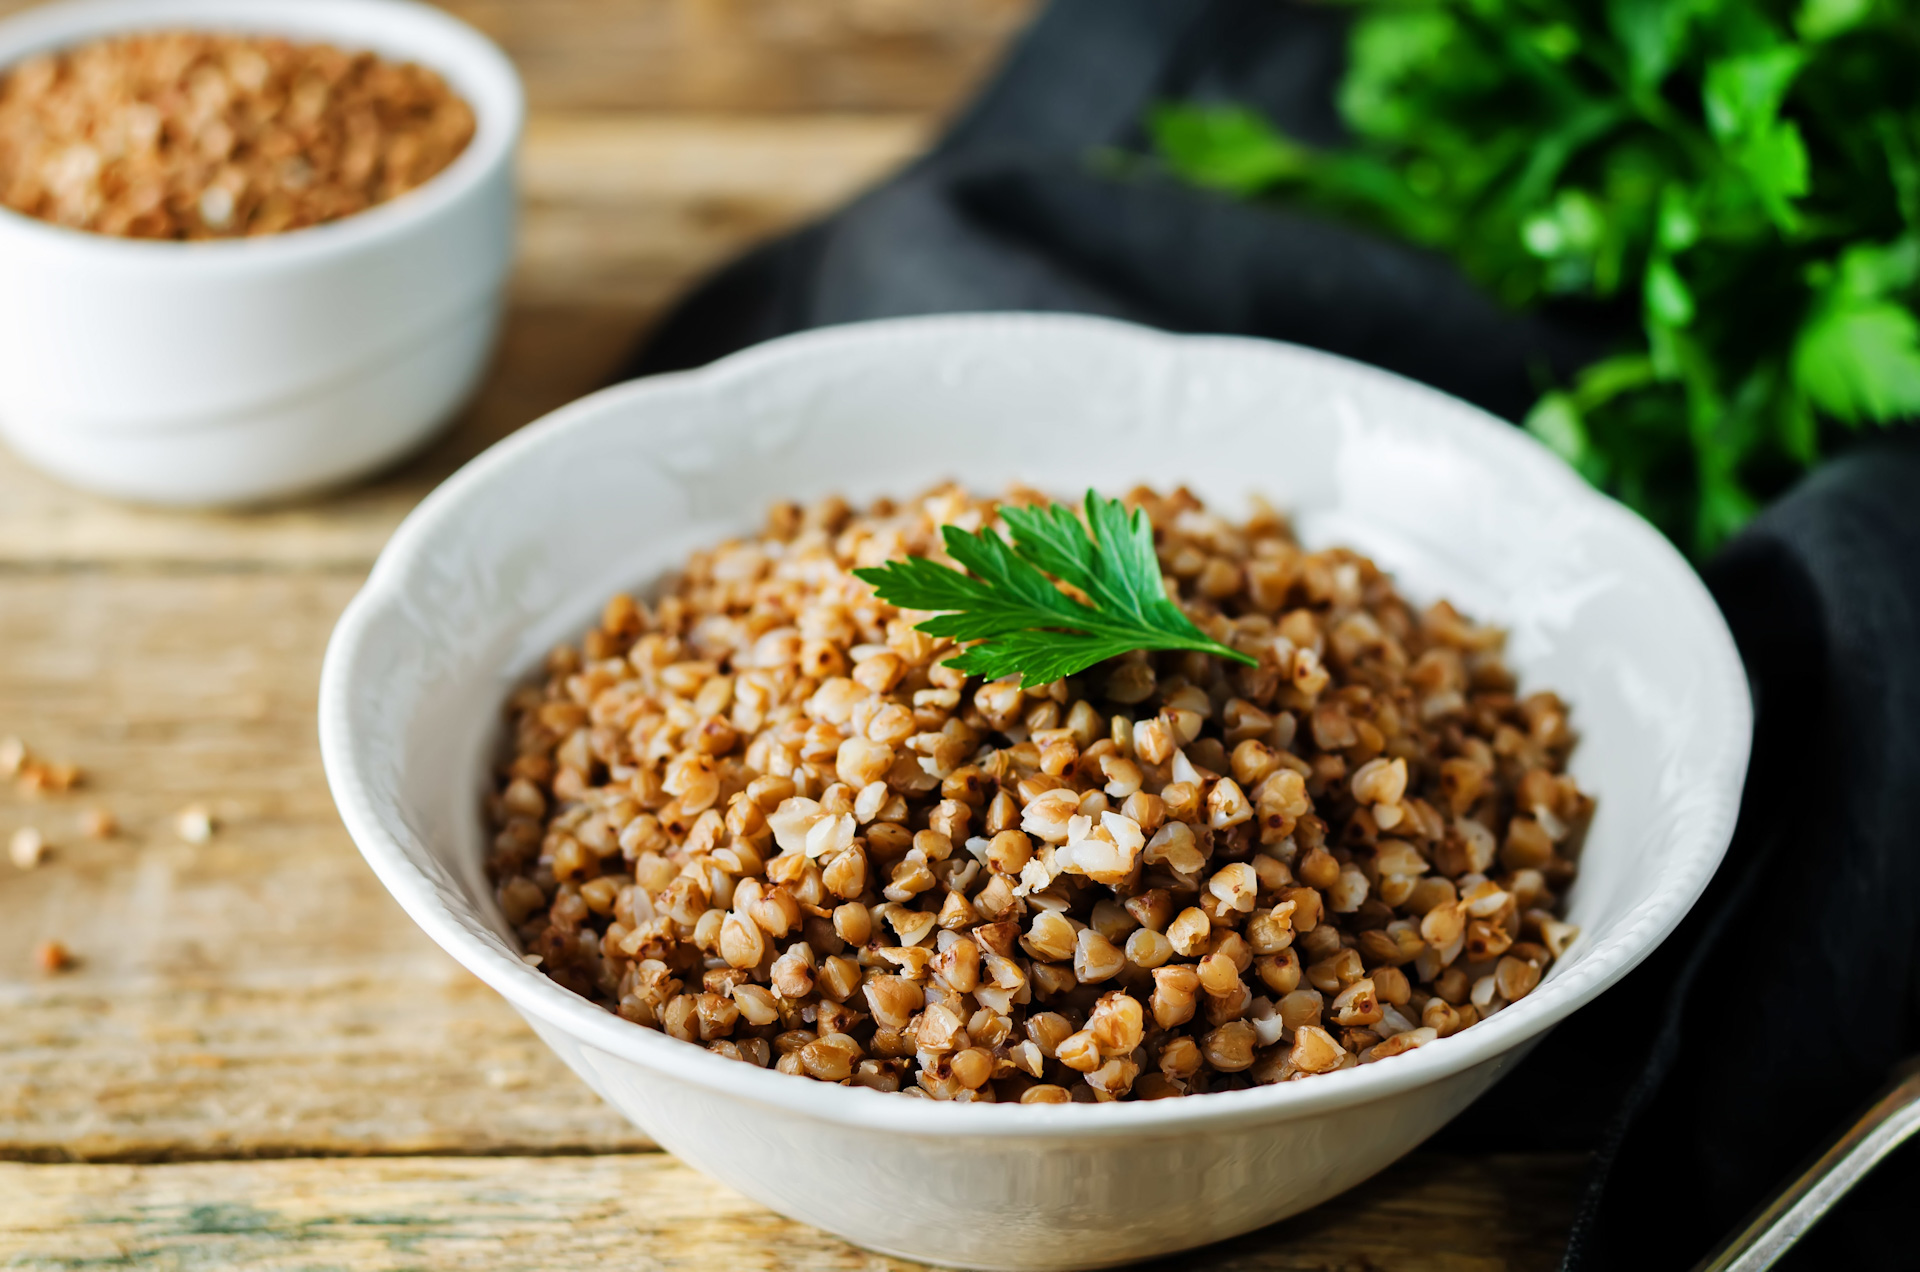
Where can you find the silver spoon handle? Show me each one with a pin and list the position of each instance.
(1880, 1130)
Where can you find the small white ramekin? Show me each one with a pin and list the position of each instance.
(242, 370)
(521, 547)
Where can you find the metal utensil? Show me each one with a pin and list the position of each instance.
(1882, 1128)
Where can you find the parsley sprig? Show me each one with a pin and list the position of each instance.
(1020, 618)
(1739, 179)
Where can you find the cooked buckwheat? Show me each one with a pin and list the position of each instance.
(762, 815)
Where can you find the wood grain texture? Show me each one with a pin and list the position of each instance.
(625, 210)
(743, 55)
(257, 994)
(1430, 1213)
(622, 214)
(764, 55)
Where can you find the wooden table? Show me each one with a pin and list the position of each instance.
(257, 1059)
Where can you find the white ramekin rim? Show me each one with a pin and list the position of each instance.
(540, 998)
(473, 65)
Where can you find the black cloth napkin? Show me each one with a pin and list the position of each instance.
(1751, 1036)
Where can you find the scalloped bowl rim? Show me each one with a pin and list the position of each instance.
(531, 992)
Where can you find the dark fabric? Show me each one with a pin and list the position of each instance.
(1005, 214)
(1793, 990)
(1754, 1033)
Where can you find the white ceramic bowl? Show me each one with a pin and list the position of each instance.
(240, 370)
(519, 549)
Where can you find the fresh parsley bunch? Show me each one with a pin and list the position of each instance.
(1011, 605)
(1741, 177)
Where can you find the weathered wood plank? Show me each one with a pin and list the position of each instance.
(763, 55)
(625, 209)
(772, 55)
(622, 214)
(411, 1057)
(257, 994)
(1431, 1213)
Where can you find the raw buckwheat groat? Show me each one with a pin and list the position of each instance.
(197, 135)
(763, 817)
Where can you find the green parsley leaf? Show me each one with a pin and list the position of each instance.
(1556, 421)
(1677, 228)
(1738, 179)
(1226, 148)
(1860, 360)
(1743, 94)
(1869, 271)
(1668, 298)
(1824, 19)
(1652, 32)
(1021, 619)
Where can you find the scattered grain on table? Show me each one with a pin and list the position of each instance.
(195, 824)
(99, 823)
(45, 777)
(27, 848)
